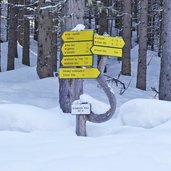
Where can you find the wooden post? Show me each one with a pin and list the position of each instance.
(81, 125)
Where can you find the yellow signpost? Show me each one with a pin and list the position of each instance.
(77, 61)
(77, 48)
(78, 73)
(108, 41)
(75, 36)
(106, 51)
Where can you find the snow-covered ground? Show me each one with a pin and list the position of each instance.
(35, 135)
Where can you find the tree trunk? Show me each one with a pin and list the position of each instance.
(142, 58)
(21, 22)
(26, 42)
(12, 34)
(165, 74)
(103, 25)
(47, 44)
(71, 89)
(126, 34)
(0, 34)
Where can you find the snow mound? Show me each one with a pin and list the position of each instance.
(146, 113)
(27, 118)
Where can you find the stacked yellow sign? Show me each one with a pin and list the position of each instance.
(78, 48)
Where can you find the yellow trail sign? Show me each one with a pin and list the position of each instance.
(75, 36)
(77, 61)
(67, 73)
(77, 48)
(108, 41)
(106, 51)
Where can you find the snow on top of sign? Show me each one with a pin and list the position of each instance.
(79, 27)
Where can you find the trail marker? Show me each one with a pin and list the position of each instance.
(108, 41)
(76, 36)
(77, 48)
(78, 73)
(77, 61)
(106, 51)
(80, 108)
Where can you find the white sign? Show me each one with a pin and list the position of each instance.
(80, 109)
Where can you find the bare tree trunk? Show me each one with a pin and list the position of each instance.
(12, 34)
(103, 24)
(0, 34)
(165, 74)
(161, 28)
(142, 59)
(21, 22)
(26, 42)
(71, 89)
(126, 34)
(47, 44)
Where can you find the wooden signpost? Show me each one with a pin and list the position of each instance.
(78, 50)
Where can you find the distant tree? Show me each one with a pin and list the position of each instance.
(126, 34)
(142, 55)
(165, 72)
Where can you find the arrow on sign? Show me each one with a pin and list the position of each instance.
(67, 73)
(74, 36)
(77, 48)
(106, 51)
(77, 61)
(108, 41)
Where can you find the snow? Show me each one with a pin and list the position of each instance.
(37, 136)
(78, 27)
(145, 113)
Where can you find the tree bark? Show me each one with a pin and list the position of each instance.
(12, 34)
(126, 34)
(165, 74)
(47, 44)
(142, 58)
(26, 42)
(21, 22)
